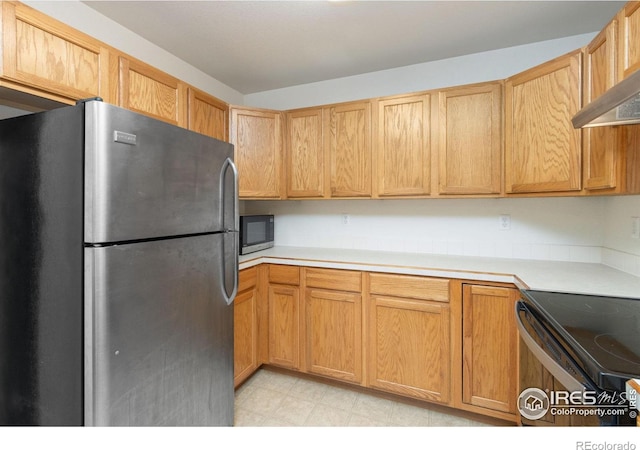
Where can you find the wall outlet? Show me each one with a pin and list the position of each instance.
(635, 227)
(505, 222)
(346, 219)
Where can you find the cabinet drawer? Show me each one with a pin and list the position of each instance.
(341, 280)
(281, 274)
(247, 279)
(409, 286)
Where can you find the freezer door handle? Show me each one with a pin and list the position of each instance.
(229, 221)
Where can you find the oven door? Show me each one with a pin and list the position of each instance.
(549, 373)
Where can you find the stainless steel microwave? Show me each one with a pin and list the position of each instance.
(256, 233)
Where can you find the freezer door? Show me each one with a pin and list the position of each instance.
(146, 178)
(159, 334)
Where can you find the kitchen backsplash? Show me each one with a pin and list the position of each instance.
(553, 229)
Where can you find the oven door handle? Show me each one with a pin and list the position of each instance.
(564, 377)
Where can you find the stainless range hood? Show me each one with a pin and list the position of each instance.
(620, 105)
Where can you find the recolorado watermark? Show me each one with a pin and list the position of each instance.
(590, 445)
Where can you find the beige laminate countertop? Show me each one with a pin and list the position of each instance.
(584, 278)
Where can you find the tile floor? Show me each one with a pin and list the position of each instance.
(272, 398)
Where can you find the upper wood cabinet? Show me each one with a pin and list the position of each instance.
(601, 150)
(470, 140)
(257, 137)
(402, 146)
(207, 114)
(490, 342)
(542, 149)
(629, 39)
(347, 142)
(147, 90)
(50, 59)
(305, 156)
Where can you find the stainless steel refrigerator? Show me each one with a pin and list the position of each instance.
(118, 268)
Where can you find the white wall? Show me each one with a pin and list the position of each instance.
(478, 67)
(83, 18)
(560, 229)
(620, 249)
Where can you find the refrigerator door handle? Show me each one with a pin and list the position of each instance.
(228, 164)
(230, 265)
(234, 271)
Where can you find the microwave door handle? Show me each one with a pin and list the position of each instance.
(564, 377)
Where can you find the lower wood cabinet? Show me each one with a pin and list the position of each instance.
(333, 323)
(489, 348)
(409, 336)
(245, 327)
(446, 341)
(284, 316)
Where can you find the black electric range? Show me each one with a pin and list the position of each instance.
(601, 334)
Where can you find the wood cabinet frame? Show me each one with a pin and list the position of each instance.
(600, 145)
(403, 134)
(305, 164)
(629, 40)
(539, 98)
(258, 152)
(207, 114)
(76, 66)
(481, 127)
(347, 142)
(146, 90)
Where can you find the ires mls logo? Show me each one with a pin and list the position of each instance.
(533, 403)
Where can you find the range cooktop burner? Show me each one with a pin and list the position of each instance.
(584, 306)
(602, 333)
(613, 345)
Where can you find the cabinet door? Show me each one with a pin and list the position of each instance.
(305, 165)
(542, 149)
(600, 146)
(629, 43)
(409, 347)
(145, 89)
(284, 325)
(245, 335)
(489, 348)
(403, 146)
(256, 135)
(207, 115)
(347, 138)
(334, 334)
(470, 140)
(43, 54)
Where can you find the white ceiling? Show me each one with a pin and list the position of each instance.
(254, 46)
